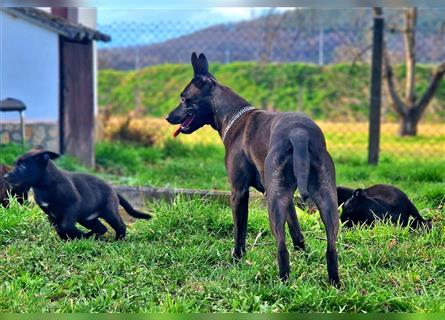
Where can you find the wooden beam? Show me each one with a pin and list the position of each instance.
(77, 100)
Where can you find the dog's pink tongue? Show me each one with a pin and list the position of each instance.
(177, 132)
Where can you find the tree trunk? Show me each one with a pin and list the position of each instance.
(410, 109)
(410, 56)
(408, 125)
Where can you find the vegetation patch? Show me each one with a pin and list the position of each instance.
(333, 92)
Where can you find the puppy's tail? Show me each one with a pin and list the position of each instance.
(130, 210)
(301, 161)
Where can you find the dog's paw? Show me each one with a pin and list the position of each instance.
(284, 276)
(304, 195)
(237, 255)
(300, 246)
(335, 283)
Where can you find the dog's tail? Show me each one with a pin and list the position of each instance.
(301, 161)
(130, 210)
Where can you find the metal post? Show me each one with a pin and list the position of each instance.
(376, 88)
(321, 44)
(22, 127)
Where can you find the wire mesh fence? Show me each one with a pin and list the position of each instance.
(311, 60)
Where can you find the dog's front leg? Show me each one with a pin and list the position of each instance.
(240, 208)
(67, 227)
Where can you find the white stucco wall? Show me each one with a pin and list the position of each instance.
(29, 68)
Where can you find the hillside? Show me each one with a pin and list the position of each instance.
(286, 37)
(331, 92)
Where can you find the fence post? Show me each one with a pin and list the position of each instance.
(321, 43)
(376, 87)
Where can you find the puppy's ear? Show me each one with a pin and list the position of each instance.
(49, 155)
(44, 156)
(359, 193)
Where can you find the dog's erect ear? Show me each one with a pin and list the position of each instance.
(195, 63)
(200, 65)
(204, 65)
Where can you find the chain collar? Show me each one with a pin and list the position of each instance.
(233, 120)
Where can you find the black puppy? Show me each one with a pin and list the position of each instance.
(21, 194)
(68, 197)
(378, 202)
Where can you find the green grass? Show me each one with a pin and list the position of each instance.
(201, 166)
(180, 260)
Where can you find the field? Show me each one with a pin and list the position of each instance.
(180, 261)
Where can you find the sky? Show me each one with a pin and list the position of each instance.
(162, 24)
(218, 15)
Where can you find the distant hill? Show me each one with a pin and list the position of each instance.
(290, 36)
(335, 92)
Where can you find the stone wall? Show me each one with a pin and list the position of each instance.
(45, 134)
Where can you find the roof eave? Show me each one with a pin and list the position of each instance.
(74, 36)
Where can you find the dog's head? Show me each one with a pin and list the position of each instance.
(353, 204)
(195, 108)
(357, 197)
(28, 168)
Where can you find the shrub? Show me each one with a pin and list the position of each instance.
(145, 131)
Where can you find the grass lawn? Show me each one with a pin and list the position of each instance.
(180, 261)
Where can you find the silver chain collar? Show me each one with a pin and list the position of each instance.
(233, 120)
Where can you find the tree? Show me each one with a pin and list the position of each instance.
(409, 108)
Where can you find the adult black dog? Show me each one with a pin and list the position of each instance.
(68, 197)
(6, 189)
(273, 152)
(378, 202)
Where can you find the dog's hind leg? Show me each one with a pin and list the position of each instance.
(294, 228)
(323, 192)
(96, 227)
(278, 205)
(279, 195)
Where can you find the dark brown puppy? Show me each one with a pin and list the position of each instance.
(20, 194)
(273, 152)
(68, 197)
(380, 201)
